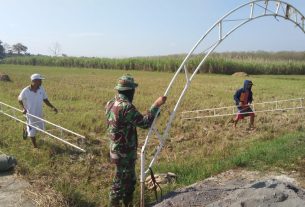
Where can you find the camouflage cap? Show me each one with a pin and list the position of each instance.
(126, 82)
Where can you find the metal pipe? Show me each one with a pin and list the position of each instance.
(200, 40)
(142, 179)
(222, 115)
(220, 30)
(219, 22)
(168, 126)
(210, 50)
(278, 4)
(186, 74)
(266, 3)
(64, 129)
(36, 117)
(251, 11)
(64, 141)
(252, 105)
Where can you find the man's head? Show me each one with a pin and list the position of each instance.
(36, 79)
(126, 86)
(248, 84)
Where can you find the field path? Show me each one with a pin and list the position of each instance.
(12, 191)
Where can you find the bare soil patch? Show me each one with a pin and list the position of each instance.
(240, 188)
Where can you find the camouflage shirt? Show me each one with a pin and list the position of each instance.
(122, 120)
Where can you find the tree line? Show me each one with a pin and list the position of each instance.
(7, 50)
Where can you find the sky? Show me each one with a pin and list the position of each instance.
(128, 28)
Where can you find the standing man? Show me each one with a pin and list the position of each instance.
(243, 98)
(31, 99)
(122, 120)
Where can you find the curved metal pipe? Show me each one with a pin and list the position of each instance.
(213, 47)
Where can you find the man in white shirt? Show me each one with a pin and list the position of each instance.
(31, 99)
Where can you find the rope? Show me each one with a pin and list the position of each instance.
(155, 184)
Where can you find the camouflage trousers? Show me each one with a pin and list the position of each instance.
(123, 184)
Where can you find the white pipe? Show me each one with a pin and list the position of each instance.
(68, 143)
(172, 115)
(222, 115)
(62, 128)
(36, 117)
(266, 3)
(186, 74)
(220, 30)
(142, 179)
(278, 4)
(194, 73)
(155, 156)
(261, 103)
(149, 133)
(198, 67)
(251, 12)
(168, 126)
(196, 45)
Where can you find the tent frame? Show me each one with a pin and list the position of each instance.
(258, 9)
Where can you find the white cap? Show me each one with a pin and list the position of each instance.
(37, 76)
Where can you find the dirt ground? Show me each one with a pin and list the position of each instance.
(240, 188)
(13, 191)
(234, 188)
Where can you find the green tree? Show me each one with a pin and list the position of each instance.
(2, 50)
(18, 48)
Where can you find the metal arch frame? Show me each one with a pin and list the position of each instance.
(282, 9)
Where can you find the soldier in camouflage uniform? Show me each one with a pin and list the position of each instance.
(122, 120)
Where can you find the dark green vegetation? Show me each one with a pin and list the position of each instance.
(194, 150)
(222, 63)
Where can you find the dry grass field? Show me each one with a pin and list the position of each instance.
(195, 149)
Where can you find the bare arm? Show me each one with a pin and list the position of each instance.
(21, 104)
(47, 102)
